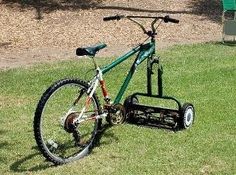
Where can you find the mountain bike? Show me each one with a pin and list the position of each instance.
(69, 114)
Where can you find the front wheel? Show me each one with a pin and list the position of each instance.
(58, 137)
(187, 116)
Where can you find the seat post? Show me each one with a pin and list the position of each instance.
(94, 62)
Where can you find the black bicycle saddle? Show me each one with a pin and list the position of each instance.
(90, 51)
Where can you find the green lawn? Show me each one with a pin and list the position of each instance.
(203, 74)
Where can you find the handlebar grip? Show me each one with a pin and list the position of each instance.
(109, 18)
(168, 19)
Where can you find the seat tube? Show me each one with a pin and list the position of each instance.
(103, 85)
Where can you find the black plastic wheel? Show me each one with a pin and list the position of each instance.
(58, 138)
(187, 116)
(130, 113)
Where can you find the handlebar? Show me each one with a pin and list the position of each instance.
(119, 17)
(109, 18)
(151, 33)
(168, 19)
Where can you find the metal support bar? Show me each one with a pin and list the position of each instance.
(149, 76)
(150, 63)
(160, 86)
(160, 97)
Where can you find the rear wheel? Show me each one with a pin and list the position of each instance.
(59, 138)
(187, 116)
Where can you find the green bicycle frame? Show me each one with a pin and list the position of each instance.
(145, 51)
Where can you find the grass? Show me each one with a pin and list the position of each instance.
(203, 74)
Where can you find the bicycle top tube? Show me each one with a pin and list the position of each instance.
(120, 59)
(145, 50)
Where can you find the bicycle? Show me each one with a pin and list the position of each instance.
(73, 107)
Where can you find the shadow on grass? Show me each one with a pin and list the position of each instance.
(21, 165)
(3, 132)
(4, 145)
(226, 43)
(229, 43)
(152, 123)
(103, 133)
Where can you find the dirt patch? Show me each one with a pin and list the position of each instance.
(26, 40)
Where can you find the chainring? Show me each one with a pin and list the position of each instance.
(116, 114)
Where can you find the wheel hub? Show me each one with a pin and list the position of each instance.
(69, 125)
(189, 116)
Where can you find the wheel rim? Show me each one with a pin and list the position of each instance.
(188, 116)
(57, 142)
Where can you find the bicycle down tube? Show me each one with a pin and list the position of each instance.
(145, 51)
